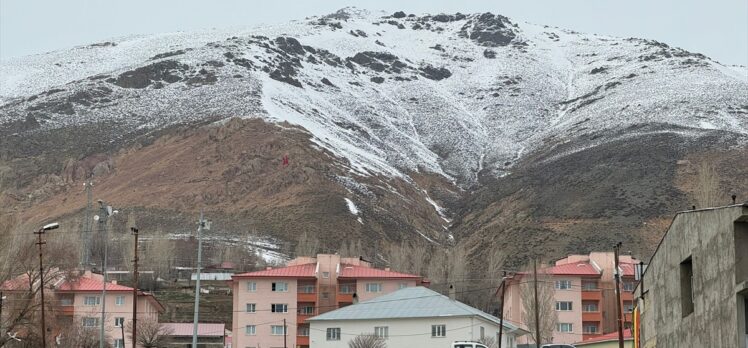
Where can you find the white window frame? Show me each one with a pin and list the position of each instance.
(561, 326)
(251, 308)
(325, 275)
(332, 334)
(585, 326)
(347, 288)
(303, 331)
(564, 306)
(402, 285)
(283, 306)
(563, 284)
(119, 343)
(279, 287)
(585, 308)
(438, 330)
(93, 320)
(629, 286)
(251, 286)
(382, 331)
(96, 300)
(373, 287)
(274, 330)
(250, 330)
(121, 321)
(119, 300)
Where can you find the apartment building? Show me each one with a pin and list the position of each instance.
(583, 297)
(77, 302)
(270, 307)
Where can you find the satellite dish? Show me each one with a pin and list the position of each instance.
(96, 218)
(109, 210)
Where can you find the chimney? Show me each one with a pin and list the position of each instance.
(734, 198)
(114, 282)
(387, 269)
(355, 298)
(452, 293)
(268, 268)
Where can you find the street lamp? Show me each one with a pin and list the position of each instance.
(41, 231)
(105, 211)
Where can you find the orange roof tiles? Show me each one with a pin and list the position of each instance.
(350, 271)
(628, 269)
(581, 268)
(299, 271)
(88, 284)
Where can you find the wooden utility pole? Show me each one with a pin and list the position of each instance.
(41, 242)
(618, 296)
(285, 331)
(537, 308)
(501, 306)
(134, 291)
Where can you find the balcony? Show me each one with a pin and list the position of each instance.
(302, 340)
(306, 293)
(66, 310)
(304, 313)
(592, 316)
(592, 295)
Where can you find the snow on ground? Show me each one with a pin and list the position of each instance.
(351, 206)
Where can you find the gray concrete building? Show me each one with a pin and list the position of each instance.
(693, 292)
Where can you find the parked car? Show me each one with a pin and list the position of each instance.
(558, 346)
(467, 344)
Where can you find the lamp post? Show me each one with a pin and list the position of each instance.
(39, 233)
(105, 212)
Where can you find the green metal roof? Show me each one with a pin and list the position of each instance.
(412, 302)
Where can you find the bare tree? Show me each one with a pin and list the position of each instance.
(75, 335)
(367, 341)
(151, 334)
(707, 184)
(546, 305)
(307, 245)
(488, 341)
(351, 249)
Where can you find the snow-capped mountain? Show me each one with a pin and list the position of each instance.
(459, 96)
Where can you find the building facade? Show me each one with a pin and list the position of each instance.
(265, 302)
(409, 317)
(583, 296)
(693, 292)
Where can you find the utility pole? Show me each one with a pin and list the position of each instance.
(537, 309)
(122, 330)
(619, 320)
(201, 224)
(134, 292)
(86, 232)
(1, 312)
(501, 306)
(285, 332)
(105, 212)
(41, 275)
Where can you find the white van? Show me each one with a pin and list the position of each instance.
(467, 344)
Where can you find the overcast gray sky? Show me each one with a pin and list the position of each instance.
(717, 28)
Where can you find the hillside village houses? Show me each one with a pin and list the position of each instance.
(78, 302)
(410, 317)
(583, 298)
(694, 292)
(264, 301)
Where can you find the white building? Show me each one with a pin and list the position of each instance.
(410, 317)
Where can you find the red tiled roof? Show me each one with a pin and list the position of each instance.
(203, 329)
(88, 284)
(223, 265)
(628, 269)
(349, 271)
(18, 283)
(608, 337)
(581, 268)
(299, 271)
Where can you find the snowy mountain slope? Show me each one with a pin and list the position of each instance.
(448, 94)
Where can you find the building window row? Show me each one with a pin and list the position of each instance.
(333, 334)
(382, 331)
(92, 300)
(438, 330)
(590, 307)
(90, 322)
(564, 327)
(563, 306)
(279, 308)
(277, 330)
(590, 328)
(373, 287)
(563, 284)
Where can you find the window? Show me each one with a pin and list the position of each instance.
(90, 322)
(306, 289)
(325, 295)
(251, 286)
(250, 330)
(92, 301)
(438, 330)
(277, 330)
(628, 307)
(66, 301)
(325, 274)
(347, 288)
(382, 331)
(564, 327)
(686, 287)
(563, 306)
(118, 322)
(119, 300)
(590, 328)
(563, 284)
(119, 343)
(306, 310)
(589, 307)
(303, 331)
(333, 334)
(279, 308)
(628, 286)
(589, 286)
(373, 287)
(251, 307)
(280, 287)
(482, 332)
(403, 285)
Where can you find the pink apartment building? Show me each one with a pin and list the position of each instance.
(78, 302)
(583, 296)
(306, 287)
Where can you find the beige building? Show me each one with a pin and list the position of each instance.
(694, 290)
(410, 317)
